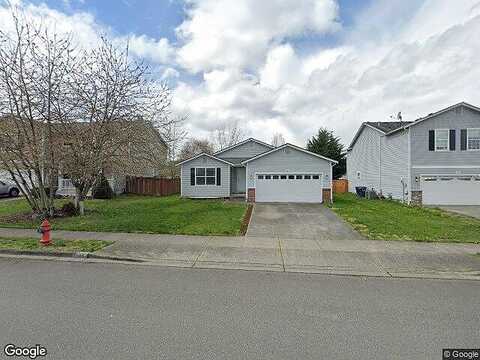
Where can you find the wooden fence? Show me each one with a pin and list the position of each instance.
(340, 186)
(152, 186)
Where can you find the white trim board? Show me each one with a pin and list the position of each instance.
(241, 143)
(290, 146)
(207, 155)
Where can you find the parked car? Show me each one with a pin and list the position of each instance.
(8, 189)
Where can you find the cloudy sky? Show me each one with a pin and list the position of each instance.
(291, 66)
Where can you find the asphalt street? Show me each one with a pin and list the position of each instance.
(80, 310)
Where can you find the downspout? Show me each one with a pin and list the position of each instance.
(380, 160)
(331, 182)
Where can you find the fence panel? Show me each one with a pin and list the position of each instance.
(340, 186)
(152, 186)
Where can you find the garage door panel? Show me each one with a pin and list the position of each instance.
(270, 189)
(451, 190)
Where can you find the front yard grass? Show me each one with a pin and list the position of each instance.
(143, 214)
(391, 220)
(31, 244)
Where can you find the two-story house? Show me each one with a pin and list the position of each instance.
(434, 160)
(144, 154)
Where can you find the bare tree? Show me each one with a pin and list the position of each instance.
(194, 147)
(117, 108)
(227, 135)
(278, 139)
(34, 65)
(73, 111)
(174, 135)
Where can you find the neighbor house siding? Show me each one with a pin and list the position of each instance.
(289, 161)
(394, 165)
(382, 162)
(245, 151)
(443, 162)
(364, 158)
(207, 191)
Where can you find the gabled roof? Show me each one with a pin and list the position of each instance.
(208, 155)
(431, 115)
(390, 127)
(290, 146)
(243, 142)
(384, 127)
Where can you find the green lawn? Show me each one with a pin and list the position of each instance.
(390, 220)
(162, 215)
(57, 245)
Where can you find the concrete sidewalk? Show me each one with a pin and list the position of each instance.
(346, 257)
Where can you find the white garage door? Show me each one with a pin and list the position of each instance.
(451, 190)
(288, 187)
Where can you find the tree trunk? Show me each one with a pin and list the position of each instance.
(81, 208)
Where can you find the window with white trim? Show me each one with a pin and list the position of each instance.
(442, 140)
(473, 139)
(205, 176)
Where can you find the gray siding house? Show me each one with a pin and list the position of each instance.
(259, 172)
(434, 160)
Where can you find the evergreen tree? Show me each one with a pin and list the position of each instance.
(325, 143)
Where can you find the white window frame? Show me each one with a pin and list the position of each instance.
(448, 140)
(468, 138)
(205, 176)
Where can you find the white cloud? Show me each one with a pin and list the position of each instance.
(170, 73)
(418, 64)
(399, 55)
(158, 51)
(82, 26)
(231, 33)
(281, 67)
(86, 31)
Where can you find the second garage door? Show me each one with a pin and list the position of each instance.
(451, 190)
(288, 187)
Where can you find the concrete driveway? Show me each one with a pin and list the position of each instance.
(298, 221)
(469, 210)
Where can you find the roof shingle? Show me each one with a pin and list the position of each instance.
(387, 126)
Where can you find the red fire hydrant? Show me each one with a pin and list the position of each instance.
(45, 230)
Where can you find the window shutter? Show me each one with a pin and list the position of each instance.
(463, 140)
(219, 176)
(192, 176)
(452, 140)
(431, 140)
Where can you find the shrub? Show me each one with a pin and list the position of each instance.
(68, 209)
(102, 189)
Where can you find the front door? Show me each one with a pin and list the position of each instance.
(240, 180)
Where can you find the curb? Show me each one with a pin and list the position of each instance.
(77, 254)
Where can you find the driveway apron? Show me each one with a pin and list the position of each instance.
(299, 221)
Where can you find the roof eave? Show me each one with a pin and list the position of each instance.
(204, 154)
(241, 143)
(292, 146)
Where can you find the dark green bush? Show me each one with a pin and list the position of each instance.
(68, 209)
(102, 189)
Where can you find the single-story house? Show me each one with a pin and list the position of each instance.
(434, 160)
(259, 172)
